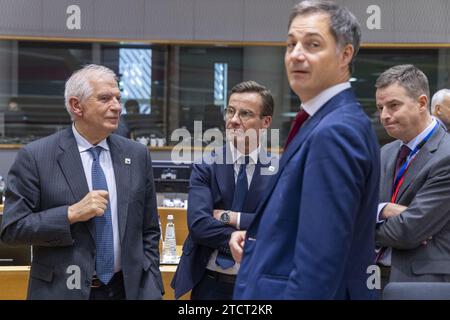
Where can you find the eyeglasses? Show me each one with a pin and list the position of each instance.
(243, 114)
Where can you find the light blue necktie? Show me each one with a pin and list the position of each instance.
(104, 241)
(225, 260)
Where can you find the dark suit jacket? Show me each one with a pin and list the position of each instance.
(425, 191)
(313, 235)
(45, 179)
(212, 187)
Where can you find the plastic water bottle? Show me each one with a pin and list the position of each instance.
(2, 189)
(170, 243)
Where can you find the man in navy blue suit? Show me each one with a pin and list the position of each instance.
(313, 233)
(224, 196)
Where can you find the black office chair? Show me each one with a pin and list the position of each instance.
(417, 291)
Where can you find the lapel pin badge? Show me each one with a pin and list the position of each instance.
(127, 161)
(271, 168)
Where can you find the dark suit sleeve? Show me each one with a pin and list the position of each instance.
(203, 227)
(246, 220)
(23, 220)
(426, 215)
(336, 167)
(151, 230)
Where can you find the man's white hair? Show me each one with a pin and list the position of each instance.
(438, 98)
(79, 84)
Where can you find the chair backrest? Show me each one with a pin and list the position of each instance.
(417, 291)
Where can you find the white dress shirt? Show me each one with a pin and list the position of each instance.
(108, 170)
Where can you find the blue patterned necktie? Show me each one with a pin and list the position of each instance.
(240, 193)
(104, 242)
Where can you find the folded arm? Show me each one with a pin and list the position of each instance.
(425, 216)
(203, 227)
(24, 222)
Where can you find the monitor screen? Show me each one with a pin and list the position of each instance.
(170, 177)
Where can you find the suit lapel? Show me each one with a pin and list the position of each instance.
(225, 176)
(420, 160)
(225, 181)
(123, 181)
(69, 161)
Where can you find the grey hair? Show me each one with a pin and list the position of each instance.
(344, 26)
(438, 98)
(79, 84)
(411, 78)
(254, 87)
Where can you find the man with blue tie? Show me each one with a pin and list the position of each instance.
(313, 233)
(85, 200)
(223, 196)
(414, 212)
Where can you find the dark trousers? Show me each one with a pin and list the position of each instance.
(214, 286)
(114, 290)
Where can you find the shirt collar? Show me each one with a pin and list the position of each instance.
(237, 156)
(313, 105)
(83, 144)
(414, 142)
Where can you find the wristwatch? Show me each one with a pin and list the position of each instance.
(225, 217)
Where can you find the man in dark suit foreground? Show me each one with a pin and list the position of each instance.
(414, 214)
(313, 234)
(85, 199)
(224, 192)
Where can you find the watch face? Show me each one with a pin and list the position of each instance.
(225, 217)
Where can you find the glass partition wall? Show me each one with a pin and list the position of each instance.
(165, 86)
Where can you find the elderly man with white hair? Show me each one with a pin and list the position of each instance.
(440, 106)
(85, 200)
